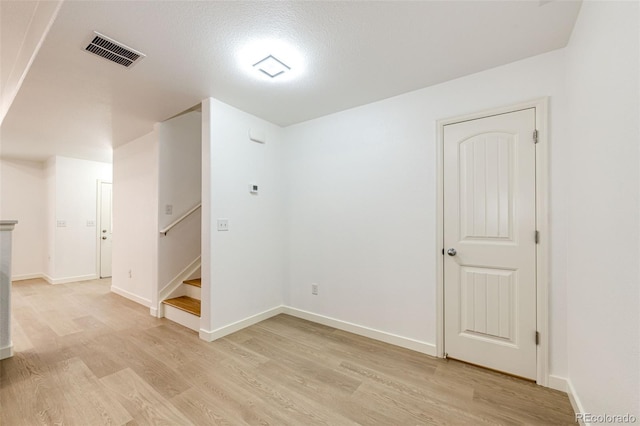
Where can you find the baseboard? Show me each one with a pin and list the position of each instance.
(131, 296)
(154, 312)
(557, 383)
(26, 277)
(66, 280)
(211, 335)
(575, 402)
(405, 342)
(6, 352)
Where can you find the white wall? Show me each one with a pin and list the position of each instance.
(40, 194)
(180, 182)
(135, 219)
(603, 248)
(76, 204)
(246, 265)
(362, 201)
(22, 185)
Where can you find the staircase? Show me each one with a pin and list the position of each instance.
(185, 309)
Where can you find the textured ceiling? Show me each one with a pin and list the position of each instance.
(76, 104)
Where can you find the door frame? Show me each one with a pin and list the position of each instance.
(541, 106)
(99, 221)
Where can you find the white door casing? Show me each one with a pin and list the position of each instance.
(490, 220)
(105, 230)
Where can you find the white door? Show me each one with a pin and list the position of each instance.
(105, 229)
(489, 220)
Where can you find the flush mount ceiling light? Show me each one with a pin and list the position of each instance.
(273, 60)
(271, 66)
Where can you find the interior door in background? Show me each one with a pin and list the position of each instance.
(489, 240)
(105, 229)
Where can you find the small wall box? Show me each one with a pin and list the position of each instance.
(253, 188)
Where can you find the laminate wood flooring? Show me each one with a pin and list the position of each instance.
(85, 356)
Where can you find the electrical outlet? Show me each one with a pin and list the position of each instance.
(130, 273)
(168, 209)
(91, 223)
(314, 289)
(223, 224)
(62, 223)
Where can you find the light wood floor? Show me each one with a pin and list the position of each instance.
(85, 356)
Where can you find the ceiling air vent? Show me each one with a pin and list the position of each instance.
(112, 50)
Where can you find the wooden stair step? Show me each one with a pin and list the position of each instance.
(185, 303)
(196, 282)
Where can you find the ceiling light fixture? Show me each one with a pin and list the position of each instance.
(273, 60)
(271, 66)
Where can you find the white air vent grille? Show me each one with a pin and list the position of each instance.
(112, 50)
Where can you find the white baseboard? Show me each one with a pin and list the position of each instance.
(154, 312)
(211, 335)
(26, 277)
(405, 342)
(67, 280)
(575, 402)
(51, 280)
(6, 352)
(131, 296)
(557, 383)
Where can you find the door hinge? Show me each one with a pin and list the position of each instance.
(443, 252)
(535, 136)
(537, 338)
(537, 237)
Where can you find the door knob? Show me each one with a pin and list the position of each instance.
(104, 238)
(452, 252)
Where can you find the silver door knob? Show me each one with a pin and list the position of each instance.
(452, 252)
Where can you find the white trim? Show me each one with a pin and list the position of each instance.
(393, 339)
(575, 401)
(558, 383)
(154, 312)
(131, 296)
(176, 281)
(405, 342)
(542, 196)
(7, 351)
(67, 280)
(211, 335)
(26, 277)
